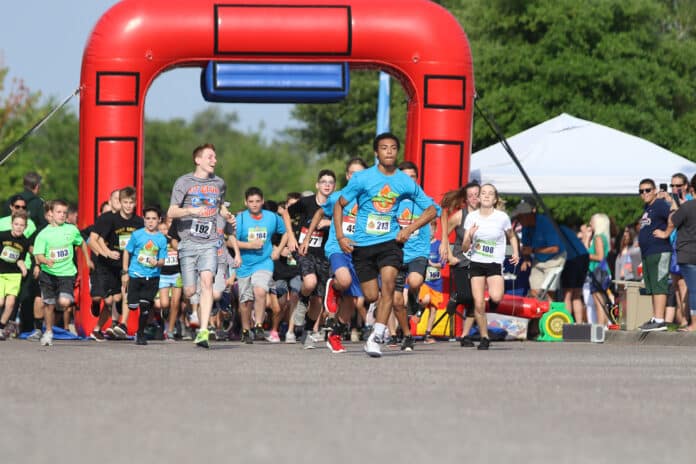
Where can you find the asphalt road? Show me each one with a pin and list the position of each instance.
(519, 402)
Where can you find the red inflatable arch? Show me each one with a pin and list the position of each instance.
(417, 41)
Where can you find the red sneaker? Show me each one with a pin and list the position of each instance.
(333, 342)
(331, 297)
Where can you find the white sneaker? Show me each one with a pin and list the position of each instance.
(47, 339)
(35, 336)
(372, 347)
(317, 337)
(308, 342)
(290, 337)
(354, 335)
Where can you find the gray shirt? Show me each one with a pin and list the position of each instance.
(191, 191)
(684, 219)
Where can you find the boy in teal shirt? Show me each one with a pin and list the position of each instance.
(143, 258)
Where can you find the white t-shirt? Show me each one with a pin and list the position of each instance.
(488, 243)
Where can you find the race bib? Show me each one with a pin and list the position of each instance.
(58, 254)
(314, 240)
(123, 241)
(484, 248)
(378, 224)
(432, 273)
(348, 225)
(201, 229)
(9, 254)
(145, 259)
(257, 233)
(172, 258)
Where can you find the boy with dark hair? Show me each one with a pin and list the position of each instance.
(148, 249)
(54, 250)
(111, 234)
(255, 227)
(377, 245)
(314, 266)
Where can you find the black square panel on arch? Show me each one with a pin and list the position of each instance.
(118, 88)
(445, 92)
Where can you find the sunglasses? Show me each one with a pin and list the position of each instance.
(642, 191)
(19, 206)
(676, 185)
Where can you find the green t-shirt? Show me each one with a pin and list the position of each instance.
(57, 243)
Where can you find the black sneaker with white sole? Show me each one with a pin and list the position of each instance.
(407, 344)
(653, 326)
(485, 343)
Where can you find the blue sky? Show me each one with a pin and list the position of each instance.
(41, 42)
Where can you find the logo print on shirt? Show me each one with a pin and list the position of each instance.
(384, 201)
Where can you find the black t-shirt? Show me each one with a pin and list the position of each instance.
(684, 219)
(116, 231)
(12, 249)
(301, 214)
(285, 267)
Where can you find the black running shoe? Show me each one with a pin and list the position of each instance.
(259, 334)
(485, 343)
(407, 344)
(247, 337)
(466, 342)
(140, 339)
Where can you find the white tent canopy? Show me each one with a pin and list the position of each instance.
(567, 155)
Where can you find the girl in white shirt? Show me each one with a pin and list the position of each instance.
(486, 230)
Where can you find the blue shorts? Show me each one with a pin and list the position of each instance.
(339, 260)
(170, 281)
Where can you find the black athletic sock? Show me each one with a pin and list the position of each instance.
(96, 308)
(144, 316)
(309, 324)
(2, 326)
(38, 323)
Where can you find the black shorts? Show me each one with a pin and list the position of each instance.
(417, 266)
(368, 260)
(317, 265)
(105, 281)
(54, 287)
(142, 289)
(485, 269)
(575, 272)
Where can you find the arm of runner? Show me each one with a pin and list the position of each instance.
(514, 243)
(292, 240)
(85, 253)
(344, 242)
(41, 259)
(22, 267)
(124, 268)
(469, 237)
(428, 215)
(176, 211)
(316, 219)
(233, 243)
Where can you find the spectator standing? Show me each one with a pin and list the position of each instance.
(30, 194)
(656, 251)
(684, 219)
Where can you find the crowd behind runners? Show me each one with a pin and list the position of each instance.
(356, 264)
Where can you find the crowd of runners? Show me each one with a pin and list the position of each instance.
(354, 264)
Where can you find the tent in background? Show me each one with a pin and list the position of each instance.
(570, 156)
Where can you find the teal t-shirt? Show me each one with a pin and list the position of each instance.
(58, 243)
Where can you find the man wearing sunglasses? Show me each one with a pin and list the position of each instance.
(656, 251)
(30, 197)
